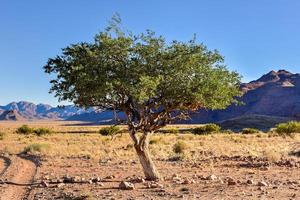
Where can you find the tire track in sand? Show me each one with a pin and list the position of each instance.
(4, 164)
(19, 173)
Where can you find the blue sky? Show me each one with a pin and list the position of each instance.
(254, 36)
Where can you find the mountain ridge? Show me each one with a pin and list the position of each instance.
(275, 94)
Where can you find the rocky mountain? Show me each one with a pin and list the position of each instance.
(11, 115)
(273, 98)
(275, 94)
(30, 111)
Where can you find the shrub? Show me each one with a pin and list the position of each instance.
(207, 129)
(2, 135)
(42, 131)
(288, 128)
(179, 147)
(36, 147)
(25, 129)
(172, 130)
(111, 130)
(250, 131)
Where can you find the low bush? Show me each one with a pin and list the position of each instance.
(207, 129)
(172, 130)
(179, 147)
(2, 135)
(25, 129)
(35, 148)
(250, 131)
(111, 130)
(288, 128)
(42, 131)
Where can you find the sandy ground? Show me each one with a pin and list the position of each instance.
(235, 175)
(17, 172)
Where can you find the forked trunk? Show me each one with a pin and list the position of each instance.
(142, 149)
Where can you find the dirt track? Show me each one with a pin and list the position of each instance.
(18, 172)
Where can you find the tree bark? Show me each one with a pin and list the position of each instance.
(142, 149)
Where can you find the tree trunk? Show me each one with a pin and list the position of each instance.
(142, 149)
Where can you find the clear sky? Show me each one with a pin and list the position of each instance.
(254, 36)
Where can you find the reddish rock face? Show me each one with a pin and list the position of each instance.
(275, 94)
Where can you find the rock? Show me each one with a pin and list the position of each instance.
(140, 180)
(96, 179)
(126, 186)
(154, 185)
(100, 184)
(67, 179)
(231, 181)
(175, 175)
(110, 177)
(60, 185)
(44, 184)
(262, 183)
(250, 182)
(184, 189)
(76, 179)
(188, 181)
(212, 177)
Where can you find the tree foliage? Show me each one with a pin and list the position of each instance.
(152, 81)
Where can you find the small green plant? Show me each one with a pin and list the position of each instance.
(250, 131)
(109, 131)
(180, 147)
(2, 135)
(207, 129)
(288, 128)
(42, 131)
(25, 129)
(35, 148)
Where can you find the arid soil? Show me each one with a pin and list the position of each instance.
(17, 173)
(89, 166)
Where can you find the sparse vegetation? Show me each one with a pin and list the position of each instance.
(42, 131)
(172, 130)
(250, 131)
(288, 128)
(180, 147)
(109, 131)
(25, 129)
(2, 135)
(207, 129)
(35, 148)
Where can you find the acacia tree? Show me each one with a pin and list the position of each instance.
(152, 81)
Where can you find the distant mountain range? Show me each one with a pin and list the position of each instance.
(275, 95)
(24, 110)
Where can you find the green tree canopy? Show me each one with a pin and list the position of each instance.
(152, 81)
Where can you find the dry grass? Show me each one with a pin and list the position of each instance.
(95, 146)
